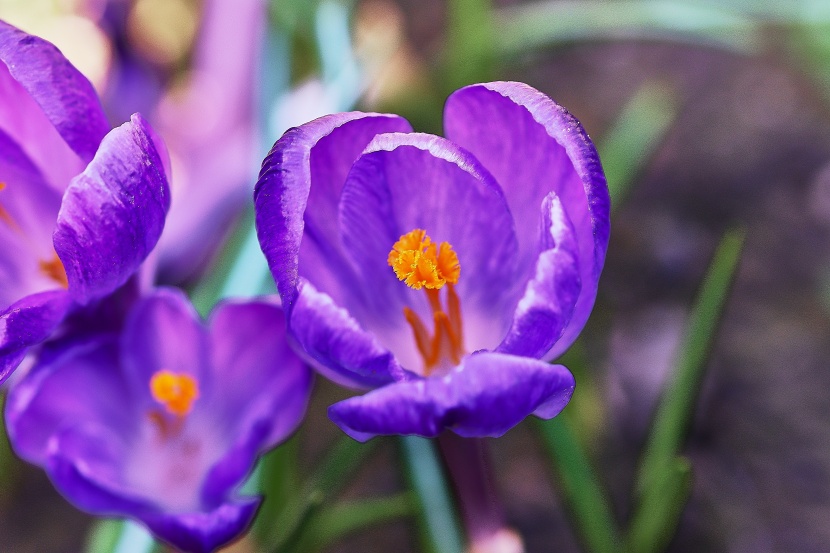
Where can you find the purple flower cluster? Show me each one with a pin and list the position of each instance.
(442, 272)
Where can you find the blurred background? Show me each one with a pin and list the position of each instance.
(708, 115)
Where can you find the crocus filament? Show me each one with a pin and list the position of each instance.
(421, 263)
(55, 270)
(177, 392)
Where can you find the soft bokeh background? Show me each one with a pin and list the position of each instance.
(708, 114)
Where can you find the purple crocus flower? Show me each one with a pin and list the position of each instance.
(443, 272)
(163, 423)
(81, 205)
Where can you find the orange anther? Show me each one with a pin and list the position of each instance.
(177, 392)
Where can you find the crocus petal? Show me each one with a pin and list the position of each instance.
(250, 354)
(339, 347)
(548, 302)
(64, 96)
(204, 532)
(297, 194)
(112, 214)
(27, 323)
(413, 181)
(162, 332)
(485, 396)
(533, 146)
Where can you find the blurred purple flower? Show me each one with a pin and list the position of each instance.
(163, 423)
(81, 205)
(499, 232)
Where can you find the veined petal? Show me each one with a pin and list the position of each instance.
(297, 194)
(534, 146)
(340, 349)
(550, 296)
(419, 181)
(112, 214)
(485, 396)
(27, 323)
(64, 96)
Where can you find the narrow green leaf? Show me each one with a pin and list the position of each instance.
(580, 487)
(9, 464)
(278, 481)
(631, 141)
(469, 51)
(657, 516)
(677, 404)
(328, 478)
(334, 523)
(437, 519)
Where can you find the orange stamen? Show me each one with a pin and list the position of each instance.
(55, 270)
(5, 216)
(418, 262)
(177, 392)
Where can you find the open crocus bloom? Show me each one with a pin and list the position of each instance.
(163, 423)
(81, 205)
(443, 272)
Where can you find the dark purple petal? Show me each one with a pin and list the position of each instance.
(28, 209)
(204, 532)
(340, 348)
(66, 97)
(549, 298)
(163, 332)
(413, 181)
(112, 214)
(533, 146)
(297, 194)
(485, 396)
(27, 323)
(262, 379)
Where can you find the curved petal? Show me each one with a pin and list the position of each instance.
(533, 146)
(163, 331)
(413, 181)
(262, 378)
(64, 96)
(549, 298)
(29, 322)
(112, 214)
(28, 209)
(204, 532)
(341, 349)
(296, 199)
(485, 396)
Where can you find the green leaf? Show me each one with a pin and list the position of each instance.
(677, 404)
(630, 142)
(580, 487)
(656, 517)
(437, 520)
(469, 51)
(334, 523)
(278, 481)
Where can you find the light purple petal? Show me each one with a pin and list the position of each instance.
(341, 350)
(549, 298)
(533, 146)
(413, 181)
(485, 396)
(27, 323)
(112, 214)
(262, 379)
(213, 133)
(28, 209)
(163, 332)
(297, 194)
(65, 97)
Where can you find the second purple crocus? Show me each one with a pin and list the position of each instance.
(163, 422)
(81, 206)
(443, 272)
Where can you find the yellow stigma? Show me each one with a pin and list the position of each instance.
(177, 392)
(420, 263)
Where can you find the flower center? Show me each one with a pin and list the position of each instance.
(421, 263)
(176, 392)
(52, 268)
